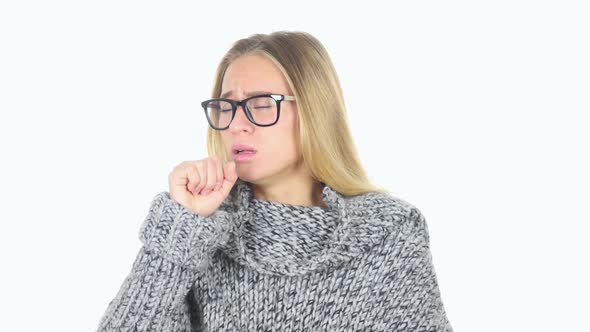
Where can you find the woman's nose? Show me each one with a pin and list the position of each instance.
(240, 119)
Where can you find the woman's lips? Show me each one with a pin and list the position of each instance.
(244, 156)
(237, 147)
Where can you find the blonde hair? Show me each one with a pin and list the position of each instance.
(324, 137)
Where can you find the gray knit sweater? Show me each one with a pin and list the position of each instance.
(361, 264)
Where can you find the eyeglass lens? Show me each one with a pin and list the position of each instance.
(263, 110)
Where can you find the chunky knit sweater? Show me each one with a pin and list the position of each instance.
(361, 264)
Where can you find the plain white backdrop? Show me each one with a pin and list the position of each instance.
(475, 112)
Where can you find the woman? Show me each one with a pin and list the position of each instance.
(280, 228)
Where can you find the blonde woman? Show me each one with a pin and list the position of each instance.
(279, 228)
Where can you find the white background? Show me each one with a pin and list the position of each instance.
(476, 112)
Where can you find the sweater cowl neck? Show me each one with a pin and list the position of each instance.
(284, 239)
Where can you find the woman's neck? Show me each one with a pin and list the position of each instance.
(294, 191)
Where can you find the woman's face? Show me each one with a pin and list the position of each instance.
(277, 153)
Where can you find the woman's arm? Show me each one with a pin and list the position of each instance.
(177, 244)
(414, 294)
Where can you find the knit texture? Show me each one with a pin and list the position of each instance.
(361, 264)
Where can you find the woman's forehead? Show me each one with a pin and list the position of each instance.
(252, 74)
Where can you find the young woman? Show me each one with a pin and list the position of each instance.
(279, 229)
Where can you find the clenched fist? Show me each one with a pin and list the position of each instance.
(202, 185)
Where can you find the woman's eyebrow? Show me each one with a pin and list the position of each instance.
(251, 93)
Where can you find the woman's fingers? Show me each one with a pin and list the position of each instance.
(193, 177)
(204, 176)
(192, 182)
(229, 177)
(211, 176)
(219, 168)
(201, 168)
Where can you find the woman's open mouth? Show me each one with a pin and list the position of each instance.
(243, 155)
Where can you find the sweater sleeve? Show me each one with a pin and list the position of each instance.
(415, 295)
(177, 244)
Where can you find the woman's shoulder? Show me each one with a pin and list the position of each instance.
(385, 210)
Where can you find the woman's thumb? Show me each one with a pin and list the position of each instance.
(229, 177)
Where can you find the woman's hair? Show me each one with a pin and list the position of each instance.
(324, 137)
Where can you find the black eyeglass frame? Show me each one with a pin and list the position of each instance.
(235, 103)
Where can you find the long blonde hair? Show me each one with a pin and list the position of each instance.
(325, 138)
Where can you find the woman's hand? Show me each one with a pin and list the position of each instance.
(202, 185)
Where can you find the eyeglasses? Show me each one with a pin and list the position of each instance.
(261, 110)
